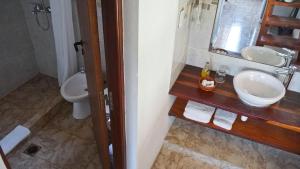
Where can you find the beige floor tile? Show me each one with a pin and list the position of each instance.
(225, 147)
(80, 128)
(95, 163)
(167, 159)
(37, 96)
(22, 161)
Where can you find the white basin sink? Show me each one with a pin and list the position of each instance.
(263, 55)
(258, 89)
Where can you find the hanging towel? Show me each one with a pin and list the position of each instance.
(224, 119)
(12, 139)
(198, 112)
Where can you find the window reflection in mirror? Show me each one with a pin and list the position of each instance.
(239, 27)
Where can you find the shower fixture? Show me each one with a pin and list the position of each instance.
(40, 9)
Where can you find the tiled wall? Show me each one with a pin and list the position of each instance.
(17, 62)
(77, 31)
(101, 36)
(199, 39)
(43, 41)
(181, 39)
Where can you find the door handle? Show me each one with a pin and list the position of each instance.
(79, 43)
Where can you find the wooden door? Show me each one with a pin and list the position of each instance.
(87, 14)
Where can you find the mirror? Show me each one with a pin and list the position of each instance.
(257, 30)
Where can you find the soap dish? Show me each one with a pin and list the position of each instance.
(205, 88)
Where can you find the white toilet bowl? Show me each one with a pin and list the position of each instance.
(74, 90)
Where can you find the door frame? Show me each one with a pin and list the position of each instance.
(113, 44)
(112, 14)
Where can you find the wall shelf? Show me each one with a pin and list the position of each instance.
(258, 127)
(252, 129)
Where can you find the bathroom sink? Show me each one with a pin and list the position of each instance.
(258, 89)
(263, 55)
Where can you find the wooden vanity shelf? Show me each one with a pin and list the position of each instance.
(277, 125)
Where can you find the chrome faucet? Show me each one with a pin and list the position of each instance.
(40, 8)
(289, 56)
(285, 74)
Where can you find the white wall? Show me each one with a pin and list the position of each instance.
(149, 34)
(181, 38)
(157, 26)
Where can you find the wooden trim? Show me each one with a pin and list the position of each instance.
(293, 128)
(4, 159)
(113, 38)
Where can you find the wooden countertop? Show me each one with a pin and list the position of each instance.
(277, 125)
(286, 111)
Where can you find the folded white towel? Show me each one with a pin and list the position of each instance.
(191, 105)
(12, 139)
(222, 123)
(224, 119)
(198, 112)
(225, 115)
(295, 83)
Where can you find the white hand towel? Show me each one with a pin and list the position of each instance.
(12, 139)
(224, 119)
(198, 106)
(295, 83)
(222, 123)
(198, 112)
(225, 115)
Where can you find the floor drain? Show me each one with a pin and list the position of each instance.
(32, 149)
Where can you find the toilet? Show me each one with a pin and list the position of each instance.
(74, 90)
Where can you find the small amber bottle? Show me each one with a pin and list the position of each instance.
(205, 71)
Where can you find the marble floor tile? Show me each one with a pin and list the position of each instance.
(190, 163)
(167, 159)
(62, 149)
(177, 157)
(33, 99)
(95, 163)
(9, 117)
(23, 161)
(80, 128)
(179, 132)
(221, 146)
(59, 150)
